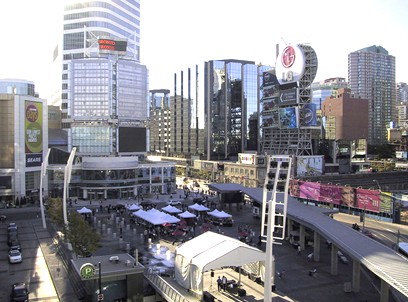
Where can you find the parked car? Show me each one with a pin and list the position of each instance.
(174, 202)
(15, 256)
(19, 292)
(12, 225)
(3, 218)
(15, 245)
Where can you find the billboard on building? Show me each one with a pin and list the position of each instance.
(132, 139)
(348, 196)
(288, 97)
(308, 115)
(112, 46)
(269, 79)
(246, 159)
(290, 64)
(309, 165)
(271, 120)
(33, 133)
(271, 103)
(288, 117)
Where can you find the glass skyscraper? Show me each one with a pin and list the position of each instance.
(231, 108)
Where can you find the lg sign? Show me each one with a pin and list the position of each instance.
(290, 64)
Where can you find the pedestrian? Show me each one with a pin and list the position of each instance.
(224, 283)
(219, 283)
(299, 250)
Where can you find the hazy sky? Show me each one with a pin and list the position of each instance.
(179, 34)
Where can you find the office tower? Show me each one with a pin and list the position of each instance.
(231, 107)
(104, 97)
(371, 73)
(23, 141)
(402, 93)
(185, 136)
(288, 114)
(159, 123)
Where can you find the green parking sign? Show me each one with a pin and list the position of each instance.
(87, 270)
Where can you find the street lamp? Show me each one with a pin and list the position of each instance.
(378, 184)
(43, 174)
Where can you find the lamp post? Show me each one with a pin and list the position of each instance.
(43, 174)
(378, 184)
(67, 180)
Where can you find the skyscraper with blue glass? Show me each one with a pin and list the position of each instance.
(231, 89)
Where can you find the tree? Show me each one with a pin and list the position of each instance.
(81, 236)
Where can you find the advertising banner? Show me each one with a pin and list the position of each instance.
(271, 120)
(368, 199)
(347, 196)
(270, 91)
(309, 165)
(310, 190)
(288, 97)
(269, 78)
(33, 133)
(246, 159)
(386, 202)
(308, 115)
(271, 103)
(330, 193)
(294, 187)
(288, 118)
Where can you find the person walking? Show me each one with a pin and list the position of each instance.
(219, 283)
(299, 250)
(224, 283)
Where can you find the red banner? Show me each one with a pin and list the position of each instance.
(310, 190)
(368, 199)
(330, 194)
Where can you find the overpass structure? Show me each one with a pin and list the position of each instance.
(381, 260)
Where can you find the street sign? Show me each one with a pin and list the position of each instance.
(100, 297)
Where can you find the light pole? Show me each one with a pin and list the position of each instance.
(43, 174)
(378, 184)
(67, 180)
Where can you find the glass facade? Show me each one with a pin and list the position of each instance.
(231, 107)
(17, 87)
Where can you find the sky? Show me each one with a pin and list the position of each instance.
(179, 34)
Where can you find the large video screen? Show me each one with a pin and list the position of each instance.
(132, 139)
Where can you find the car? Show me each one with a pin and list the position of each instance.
(15, 256)
(19, 292)
(15, 245)
(12, 225)
(174, 202)
(3, 218)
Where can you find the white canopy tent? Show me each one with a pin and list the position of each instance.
(170, 209)
(133, 207)
(211, 251)
(187, 214)
(156, 217)
(219, 214)
(198, 207)
(84, 210)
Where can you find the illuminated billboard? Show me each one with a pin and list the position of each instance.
(288, 117)
(132, 139)
(110, 46)
(290, 64)
(269, 78)
(33, 133)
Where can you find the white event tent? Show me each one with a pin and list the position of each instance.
(212, 251)
(219, 214)
(84, 210)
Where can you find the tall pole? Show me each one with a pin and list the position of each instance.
(100, 281)
(44, 166)
(67, 180)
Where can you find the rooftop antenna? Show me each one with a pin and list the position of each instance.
(284, 41)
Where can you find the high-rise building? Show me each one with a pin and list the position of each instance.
(402, 93)
(371, 73)
(23, 141)
(104, 103)
(231, 108)
(159, 123)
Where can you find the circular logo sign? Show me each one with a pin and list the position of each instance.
(288, 57)
(32, 113)
(87, 270)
